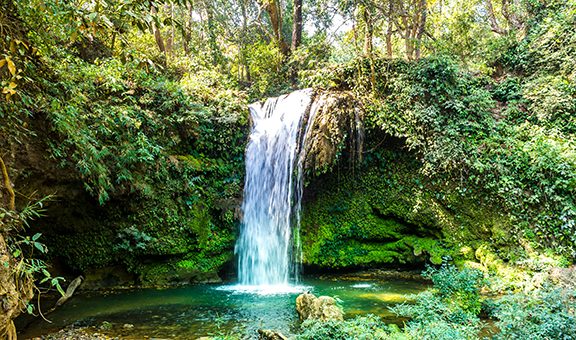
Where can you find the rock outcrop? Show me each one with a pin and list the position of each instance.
(15, 291)
(310, 307)
(336, 123)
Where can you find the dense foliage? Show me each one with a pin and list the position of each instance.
(508, 138)
(134, 113)
(161, 150)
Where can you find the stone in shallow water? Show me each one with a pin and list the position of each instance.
(322, 308)
(268, 334)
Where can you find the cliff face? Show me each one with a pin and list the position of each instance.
(387, 213)
(370, 202)
(449, 156)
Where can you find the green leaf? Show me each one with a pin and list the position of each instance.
(40, 246)
(56, 283)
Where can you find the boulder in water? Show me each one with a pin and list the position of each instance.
(322, 308)
(268, 334)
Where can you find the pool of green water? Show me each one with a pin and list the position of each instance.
(209, 310)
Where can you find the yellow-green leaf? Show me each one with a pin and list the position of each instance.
(2, 62)
(11, 66)
(22, 43)
(8, 90)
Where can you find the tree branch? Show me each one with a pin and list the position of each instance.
(8, 185)
(492, 17)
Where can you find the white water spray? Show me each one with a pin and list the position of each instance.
(271, 204)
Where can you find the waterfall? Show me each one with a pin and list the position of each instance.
(272, 192)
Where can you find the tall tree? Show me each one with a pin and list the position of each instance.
(156, 30)
(368, 30)
(389, 28)
(411, 25)
(297, 25)
(512, 12)
(274, 10)
(420, 27)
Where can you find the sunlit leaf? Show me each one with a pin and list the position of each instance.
(11, 66)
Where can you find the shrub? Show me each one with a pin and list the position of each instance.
(450, 309)
(362, 328)
(544, 314)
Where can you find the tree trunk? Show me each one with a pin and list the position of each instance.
(511, 16)
(368, 42)
(157, 34)
(423, 11)
(407, 37)
(297, 25)
(244, 66)
(274, 11)
(369, 32)
(11, 201)
(188, 25)
(171, 38)
(216, 54)
(389, 28)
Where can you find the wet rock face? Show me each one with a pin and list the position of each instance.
(336, 123)
(310, 307)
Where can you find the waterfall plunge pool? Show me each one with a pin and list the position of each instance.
(195, 311)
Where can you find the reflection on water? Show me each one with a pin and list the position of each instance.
(205, 310)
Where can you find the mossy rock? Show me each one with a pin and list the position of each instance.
(106, 278)
(175, 273)
(391, 213)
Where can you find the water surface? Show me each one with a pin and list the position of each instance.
(209, 310)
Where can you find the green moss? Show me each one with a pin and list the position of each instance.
(180, 228)
(90, 249)
(391, 213)
(194, 268)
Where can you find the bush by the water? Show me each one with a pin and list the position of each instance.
(363, 328)
(454, 309)
(547, 313)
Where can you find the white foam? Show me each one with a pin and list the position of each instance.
(362, 285)
(279, 289)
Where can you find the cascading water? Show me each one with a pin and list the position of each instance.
(265, 249)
